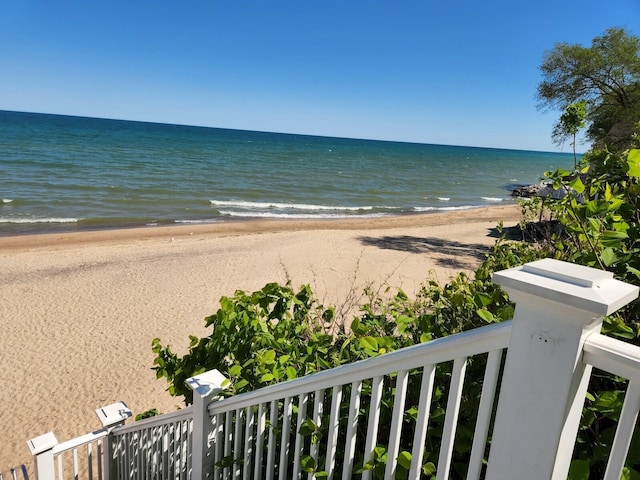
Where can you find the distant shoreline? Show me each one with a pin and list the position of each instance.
(9, 229)
(242, 226)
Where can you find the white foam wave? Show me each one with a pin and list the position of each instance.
(298, 215)
(289, 206)
(443, 209)
(491, 199)
(38, 220)
(197, 221)
(444, 199)
(425, 209)
(7, 200)
(462, 207)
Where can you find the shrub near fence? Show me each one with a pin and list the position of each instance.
(307, 425)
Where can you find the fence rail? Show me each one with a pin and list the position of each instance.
(274, 447)
(158, 447)
(409, 410)
(623, 360)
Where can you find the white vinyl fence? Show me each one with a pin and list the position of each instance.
(19, 473)
(406, 413)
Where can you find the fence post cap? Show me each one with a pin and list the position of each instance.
(113, 414)
(42, 443)
(207, 382)
(581, 287)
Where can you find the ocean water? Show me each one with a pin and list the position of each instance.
(75, 173)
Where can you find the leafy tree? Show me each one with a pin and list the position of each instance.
(571, 121)
(606, 76)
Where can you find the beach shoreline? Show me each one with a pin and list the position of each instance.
(251, 226)
(80, 310)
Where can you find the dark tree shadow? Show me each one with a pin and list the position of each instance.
(509, 233)
(451, 254)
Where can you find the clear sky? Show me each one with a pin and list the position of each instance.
(458, 72)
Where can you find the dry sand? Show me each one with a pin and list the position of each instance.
(79, 311)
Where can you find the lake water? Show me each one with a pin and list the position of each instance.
(74, 173)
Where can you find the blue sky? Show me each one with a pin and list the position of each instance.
(459, 72)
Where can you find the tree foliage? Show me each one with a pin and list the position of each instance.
(600, 217)
(606, 76)
(571, 121)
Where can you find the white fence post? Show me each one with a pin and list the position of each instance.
(544, 383)
(205, 386)
(42, 448)
(111, 416)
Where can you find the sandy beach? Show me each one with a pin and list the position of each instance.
(79, 311)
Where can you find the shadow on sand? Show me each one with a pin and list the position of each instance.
(455, 255)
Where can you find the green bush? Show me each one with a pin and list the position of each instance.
(257, 339)
(276, 334)
(600, 219)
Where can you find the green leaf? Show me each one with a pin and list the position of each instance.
(597, 206)
(633, 271)
(307, 463)
(429, 468)
(617, 234)
(358, 328)
(608, 257)
(307, 427)
(283, 359)
(610, 399)
(486, 315)
(269, 357)
(594, 224)
(235, 370)
(267, 377)
(404, 460)
(579, 470)
(482, 299)
(633, 163)
(369, 343)
(628, 474)
(577, 185)
(380, 452)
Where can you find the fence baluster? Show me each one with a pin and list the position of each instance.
(373, 422)
(299, 445)
(285, 439)
(271, 453)
(260, 428)
(334, 425)
(396, 424)
(422, 423)
(352, 429)
(318, 406)
(489, 386)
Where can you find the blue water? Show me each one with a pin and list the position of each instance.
(73, 173)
